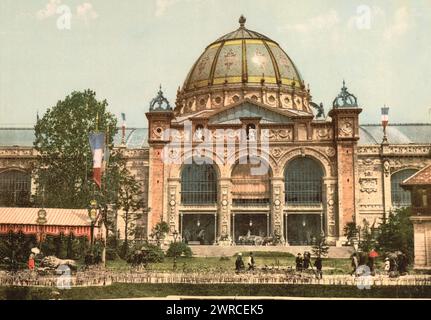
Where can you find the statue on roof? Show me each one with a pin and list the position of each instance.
(160, 103)
(319, 108)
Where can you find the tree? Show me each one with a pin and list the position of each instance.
(396, 234)
(15, 248)
(159, 231)
(350, 232)
(178, 249)
(320, 248)
(64, 168)
(131, 201)
(367, 240)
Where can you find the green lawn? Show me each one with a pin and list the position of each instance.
(225, 264)
(121, 290)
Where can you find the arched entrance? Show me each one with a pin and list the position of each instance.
(303, 198)
(198, 192)
(250, 202)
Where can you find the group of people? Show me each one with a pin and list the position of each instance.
(303, 262)
(239, 263)
(395, 264)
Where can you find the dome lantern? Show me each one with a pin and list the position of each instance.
(160, 103)
(242, 21)
(345, 99)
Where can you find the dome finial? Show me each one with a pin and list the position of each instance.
(242, 21)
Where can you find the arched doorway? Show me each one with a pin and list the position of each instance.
(250, 201)
(303, 197)
(15, 188)
(198, 190)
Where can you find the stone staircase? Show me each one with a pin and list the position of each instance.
(218, 251)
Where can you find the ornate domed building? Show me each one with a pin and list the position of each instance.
(246, 157)
(243, 94)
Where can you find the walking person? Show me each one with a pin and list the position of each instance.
(318, 265)
(31, 263)
(306, 261)
(387, 266)
(250, 262)
(355, 263)
(371, 259)
(298, 262)
(239, 263)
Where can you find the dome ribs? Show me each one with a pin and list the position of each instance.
(244, 61)
(214, 64)
(274, 63)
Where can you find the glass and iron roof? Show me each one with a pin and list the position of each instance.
(136, 138)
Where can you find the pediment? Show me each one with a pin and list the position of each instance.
(249, 109)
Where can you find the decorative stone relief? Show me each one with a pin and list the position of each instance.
(224, 210)
(345, 128)
(368, 185)
(158, 128)
(277, 209)
(330, 209)
(172, 206)
(330, 152)
(278, 134)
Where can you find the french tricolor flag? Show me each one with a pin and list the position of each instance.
(385, 118)
(97, 144)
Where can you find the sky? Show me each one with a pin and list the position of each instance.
(125, 49)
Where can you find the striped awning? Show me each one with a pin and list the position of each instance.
(54, 216)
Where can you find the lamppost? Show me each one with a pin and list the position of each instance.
(92, 214)
(175, 234)
(41, 221)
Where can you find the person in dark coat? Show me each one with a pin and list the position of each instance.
(307, 260)
(318, 265)
(239, 263)
(402, 264)
(298, 262)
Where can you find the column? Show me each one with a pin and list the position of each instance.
(224, 208)
(267, 225)
(215, 228)
(233, 228)
(277, 206)
(330, 209)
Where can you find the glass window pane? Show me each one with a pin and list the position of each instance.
(303, 182)
(401, 197)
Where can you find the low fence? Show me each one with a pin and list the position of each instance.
(103, 278)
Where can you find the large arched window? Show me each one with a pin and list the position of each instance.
(198, 184)
(15, 187)
(250, 183)
(303, 182)
(401, 197)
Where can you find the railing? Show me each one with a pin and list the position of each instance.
(421, 211)
(214, 277)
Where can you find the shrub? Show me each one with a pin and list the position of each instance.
(396, 234)
(144, 254)
(350, 231)
(179, 249)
